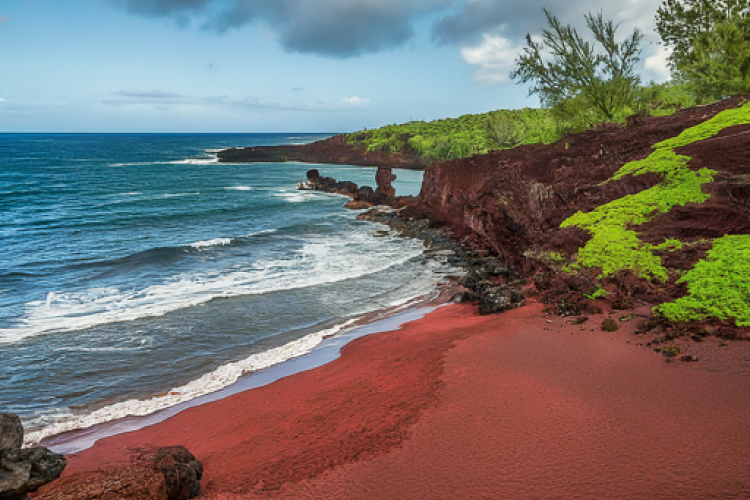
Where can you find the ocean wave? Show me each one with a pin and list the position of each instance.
(298, 196)
(211, 382)
(211, 243)
(239, 188)
(195, 161)
(179, 195)
(319, 261)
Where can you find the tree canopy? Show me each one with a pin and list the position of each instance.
(710, 41)
(563, 67)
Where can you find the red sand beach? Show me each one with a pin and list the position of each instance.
(461, 406)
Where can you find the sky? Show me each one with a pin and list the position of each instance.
(275, 65)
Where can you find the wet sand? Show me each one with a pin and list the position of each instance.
(456, 405)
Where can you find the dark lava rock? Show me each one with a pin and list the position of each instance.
(11, 431)
(182, 472)
(25, 471)
(497, 299)
(580, 320)
(313, 175)
(610, 325)
(689, 358)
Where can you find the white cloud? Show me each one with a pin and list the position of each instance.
(354, 102)
(656, 66)
(495, 57)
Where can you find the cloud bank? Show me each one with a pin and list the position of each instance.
(489, 33)
(332, 28)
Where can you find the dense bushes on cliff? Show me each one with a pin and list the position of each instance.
(464, 136)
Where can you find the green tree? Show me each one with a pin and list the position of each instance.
(719, 62)
(681, 22)
(564, 68)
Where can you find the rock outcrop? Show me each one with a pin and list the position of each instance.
(328, 184)
(334, 150)
(23, 471)
(170, 473)
(384, 177)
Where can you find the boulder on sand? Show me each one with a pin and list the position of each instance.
(23, 471)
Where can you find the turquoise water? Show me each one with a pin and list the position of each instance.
(132, 265)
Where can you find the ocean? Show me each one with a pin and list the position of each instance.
(137, 272)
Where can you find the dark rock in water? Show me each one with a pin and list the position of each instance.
(313, 175)
(169, 473)
(610, 325)
(384, 177)
(182, 472)
(11, 431)
(366, 193)
(25, 471)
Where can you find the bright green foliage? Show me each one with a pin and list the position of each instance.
(564, 66)
(707, 129)
(719, 286)
(614, 246)
(463, 136)
(599, 293)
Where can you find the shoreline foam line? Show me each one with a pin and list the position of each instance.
(72, 437)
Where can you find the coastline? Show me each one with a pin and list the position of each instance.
(454, 404)
(333, 340)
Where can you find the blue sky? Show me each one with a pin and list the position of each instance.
(272, 65)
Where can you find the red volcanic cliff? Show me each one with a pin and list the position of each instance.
(511, 204)
(515, 200)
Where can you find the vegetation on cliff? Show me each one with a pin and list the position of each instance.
(615, 246)
(464, 136)
(718, 286)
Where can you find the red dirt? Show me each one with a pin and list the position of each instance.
(457, 405)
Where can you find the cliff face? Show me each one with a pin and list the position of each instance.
(334, 150)
(515, 200)
(622, 212)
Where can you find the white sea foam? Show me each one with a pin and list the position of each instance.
(179, 195)
(133, 193)
(195, 161)
(297, 196)
(320, 260)
(211, 382)
(211, 243)
(239, 188)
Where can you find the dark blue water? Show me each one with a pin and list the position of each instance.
(131, 265)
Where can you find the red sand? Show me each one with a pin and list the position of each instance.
(517, 409)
